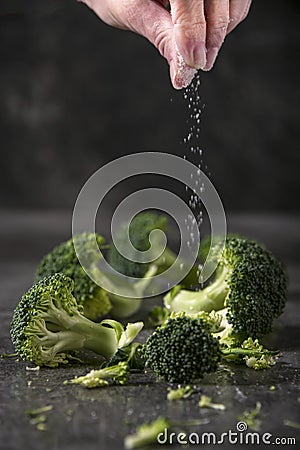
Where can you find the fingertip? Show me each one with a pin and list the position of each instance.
(181, 75)
(212, 53)
(193, 51)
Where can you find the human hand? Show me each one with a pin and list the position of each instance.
(189, 37)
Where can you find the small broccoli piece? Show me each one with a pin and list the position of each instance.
(258, 362)
(146, 434)
(291, 423)
(48, 323)
(180, 393)
(250, 287)
(184, 349)
(37, 411)
(251, 418)
(63, 259)
(98, 378)
(158, 316)
(205, 402)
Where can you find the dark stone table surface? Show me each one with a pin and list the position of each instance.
(100, 418)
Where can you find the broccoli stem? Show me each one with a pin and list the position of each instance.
(246, 352)
(80, 332)
(126, 306)
(96, 337)
(211, 298)
(167, 259)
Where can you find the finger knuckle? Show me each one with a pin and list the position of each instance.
(219, 24)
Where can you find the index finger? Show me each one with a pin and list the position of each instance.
(189, 22)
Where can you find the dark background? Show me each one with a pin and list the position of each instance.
(75, 94)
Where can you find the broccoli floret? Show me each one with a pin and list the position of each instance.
(98, 378)
(63, 259)
(97, 302)
(48, 324)
(250, 286)
(185, 348)
(146, 434)
(182, 350)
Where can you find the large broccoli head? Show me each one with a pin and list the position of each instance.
(63, 259)
(47, 325)
(249, 282)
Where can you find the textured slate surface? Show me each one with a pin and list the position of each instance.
(99, 419)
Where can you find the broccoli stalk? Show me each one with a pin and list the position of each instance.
(48, 324)
(249, 286)
(125, 306)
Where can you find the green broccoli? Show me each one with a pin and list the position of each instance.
(205, 402)
(249, 287)
(146, 434)
(63, 259)
(252, 418)
(48, 323)
(140, 229)
(184, 348)
(158, 315)
(98, 378)
(180, 393)
(96, 301)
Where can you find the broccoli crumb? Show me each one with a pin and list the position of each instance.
(35, 412)
(33, 368)
(180, 393)
(252, 417)
(98, 378)
(146, 434)
(291, 423)
(38, 417)
(205, 402)
(8, 355)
